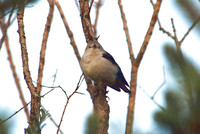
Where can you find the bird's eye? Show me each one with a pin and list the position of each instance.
(89, 46)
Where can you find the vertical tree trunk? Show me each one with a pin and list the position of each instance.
(35, 96)
(131, 106)
(101, 109)
(97, 92)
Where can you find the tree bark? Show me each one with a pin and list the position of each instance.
(97, 92)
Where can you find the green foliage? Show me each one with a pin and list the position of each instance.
(190, 10)
(38, 124)
(92, 124)
(182, 114)
(4, 127)
(7, 6)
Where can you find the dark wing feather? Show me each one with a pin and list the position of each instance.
(110, 58)
(121, 77)
(120, 81)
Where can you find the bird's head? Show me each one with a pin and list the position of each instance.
(94, 47)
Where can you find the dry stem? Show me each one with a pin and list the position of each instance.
(22, 40)
(101, 107)
(149, 32)
(68, 98)
(69, 32)
(4, 27)
(136, 62)
(44, 43)
(98, 5)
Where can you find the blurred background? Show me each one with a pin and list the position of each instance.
(162, 71)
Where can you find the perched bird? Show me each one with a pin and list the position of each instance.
(100, 66)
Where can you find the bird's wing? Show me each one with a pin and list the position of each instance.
(110, 58)
(119, 74)
(121, 77)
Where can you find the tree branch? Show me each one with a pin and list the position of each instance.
(5, 27)
(44, 43)
(69, 32)
(22, 40)
(16, 78)
(14, 113)
(136, 62)
(152, 98)
(132, 57)
(149, 32)
(98, 5)
(97, 93)
(51, 118)
(86, 22)
(68, 98)
(189, 30)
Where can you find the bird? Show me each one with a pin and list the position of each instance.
(99, 66)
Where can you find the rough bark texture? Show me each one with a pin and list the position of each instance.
(136, 61)
(97, 92)
(35, 99)
(131, 106)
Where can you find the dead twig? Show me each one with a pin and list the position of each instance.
(163, 83)
(69, 32)
(136, 61)
(53, 87)
(51, 118)
(190, 29)
(174, 37)
(132, 57)
(22, 40)
(149, 31)
(91, 3)
(68, 98)
(16, 78)
(152, 98)
(44, 43)
(3, 121)
(5, 27)
(98, 5)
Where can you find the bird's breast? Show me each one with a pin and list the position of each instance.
(100, 69)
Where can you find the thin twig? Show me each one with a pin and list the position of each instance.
(44, 43)
(91, 3)
(163, 30)
(132, 57)
(98, 5)
(163, 83)
(149, 32)
(189, 30)
(69, 32)
(68, 98)
(54, 77)
(52, 88)
(51, 118)
(16, 77)
(4, 30)
(174, 37)
(174, 30)
(152, 98)
(14, 113)
(4, 27)
(76, 2)
(41, 97)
